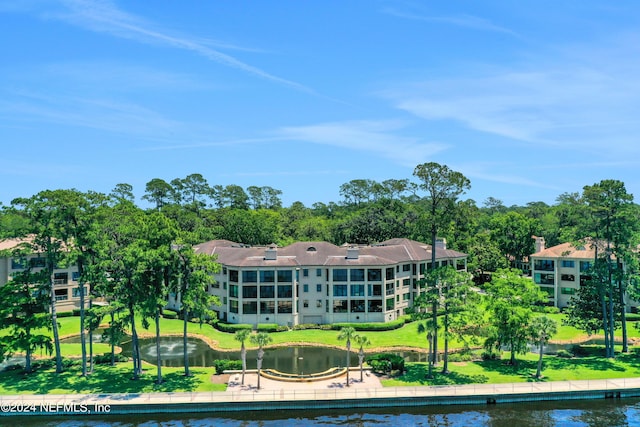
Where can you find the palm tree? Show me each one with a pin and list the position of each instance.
(347, 333)
(427, 327)
(242, 336)
(362, 341)
(541, 330)
(260, 339)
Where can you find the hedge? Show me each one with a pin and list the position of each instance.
(222, 365)
(271, 327)
(386, 362)
(371, 326)
(232, 327)
(167, 313)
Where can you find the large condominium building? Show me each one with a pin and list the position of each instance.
(318, 282)
(561, 270)
(65, 279)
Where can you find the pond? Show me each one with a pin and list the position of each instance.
(290, 359)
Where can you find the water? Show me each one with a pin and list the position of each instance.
(595, 413)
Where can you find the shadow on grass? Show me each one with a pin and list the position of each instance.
(105, 379)
(417, 373)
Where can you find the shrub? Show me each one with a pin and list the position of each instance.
(75, 312)
(232, 327)
(103, 359)
(461, 356)
(490, 355)
(169, 314)
(270, 327)
(64, 314)
(222, 365)
(579, 351)
(371, 326)
(386, 362)
(305, 326)
(632, 317)
(565, 354)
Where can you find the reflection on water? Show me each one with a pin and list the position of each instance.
(594, 413)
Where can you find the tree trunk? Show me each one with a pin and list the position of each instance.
(54, 322)
(111, 339)
(348, 357)
(260, 356)
(360, 362)
(539, 371)
(135, 348)
(185, 354)
(623, 314)
(434, 306)
(158, 355)
(445, 359)
(27, 359)
(83, 338)
(243, 355)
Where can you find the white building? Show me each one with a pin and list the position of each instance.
(320, 283)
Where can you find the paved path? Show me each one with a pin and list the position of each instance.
(328, 394)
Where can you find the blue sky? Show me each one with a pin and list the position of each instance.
(527, 99)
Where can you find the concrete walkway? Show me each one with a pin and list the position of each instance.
(275, 395)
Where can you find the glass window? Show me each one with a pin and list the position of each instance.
(233, 306)
(319, 287)
(319, 272)
(340, 306)
(340, 275)
(374, 290)
(568, 277)
(374, 274)
(357, 290)
(406, 267)
(548, 290)
(284, 307)
(305, 272)
(16, 264)
(250, 276)
(267, 307)
(285, 276)
(37, 262)
(249, 292)
(75, 293)
(543, 279)
(233, 275)
(318, 303)
(585, 265)
(305, 288)
(406, 282)
(374, 306)
(390, 304)
(357, 306)
(233, 291)
(61, 294)
(339, 290)
(357, 274)
(250, 307)
(61, 278)
(305, 303)
(567, 291)
(268, 276)
(267, 291)
(390, 289)
(406, 297)
(390, 274)
(568, 263)
(75, 275)
(284, 291)
(543, 264)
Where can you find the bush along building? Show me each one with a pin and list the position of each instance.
(560, 270)
(320, 283)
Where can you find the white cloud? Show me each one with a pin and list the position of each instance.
(378, 137)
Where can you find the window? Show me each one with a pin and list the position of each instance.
(339, 290)
(305, 288)
(543, 264)
(61, 294)
(422, 268)
(16, 264)
(374, 306)
(567, 291)
(357, 306)
(318, 287)
(233, 276)
(38, 262)
(224, 300)
(406, 267)
(585, 265)
(267, 276)
(406, 282)
(406, 297)
(305, 272)
(250, 307)
(216, 285)
(249, 292)
(390, 289)
(389, 274)
(267, 307)
(340, 275)
(75, 292)
(568, 263)
(233, 291)
(233, 306)
(285, 276)
(318, 272)
(357, 290)
(224, 270)
(305, 303)
(61, 278)
(326, 306)
(224, 285)
(390, 304)
(543, 279)
(568, 277)
(374, 290)
(318, 303)
(284, 307)
(250, 276)
(548, 290)
(374, 274)
(75, 275)
(357, 274)
(340, 306)
(285, 291)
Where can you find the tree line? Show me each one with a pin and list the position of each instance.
(134, 257)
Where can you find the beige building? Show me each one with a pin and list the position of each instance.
(320, 283)
(65, 280)
(561, 269)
